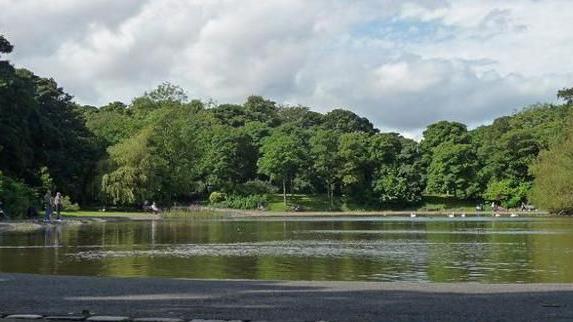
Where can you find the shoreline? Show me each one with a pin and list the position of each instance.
(33, 224)
(381, 213)
(269, 300)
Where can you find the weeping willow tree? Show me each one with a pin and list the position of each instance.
(136, 171)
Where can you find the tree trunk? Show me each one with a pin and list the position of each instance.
(284, 191)
(330, 195)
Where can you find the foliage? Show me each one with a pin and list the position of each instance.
(452, 170)
(68, 205)
(509, 192)
(5, 46)
(217, 197)
(244, 202)
(282, 157)
(566, 94)
(553, 174)
(16, 196)
(46, 179)
(164, 147)
(347, 122)
(256, 187)
(325, 159)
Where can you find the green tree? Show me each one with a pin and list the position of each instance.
(325, 159)
(282, 157)
(347, 122)
(566, 94)
(452, 170)
(355, 170)
(554, 178)
(510, 193)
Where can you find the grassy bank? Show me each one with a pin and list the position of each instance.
(321, 203)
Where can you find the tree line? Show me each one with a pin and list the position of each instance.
(165, 147)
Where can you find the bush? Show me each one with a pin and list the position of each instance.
(217, 197)
(16, 197)
(245, 202)
(68, 205)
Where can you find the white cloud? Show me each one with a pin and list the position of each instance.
(402, 64)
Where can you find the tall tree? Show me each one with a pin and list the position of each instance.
(452, 170)
(554, 178)
(282, 157)
(325, 159)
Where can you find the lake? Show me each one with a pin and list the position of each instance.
(423, 249)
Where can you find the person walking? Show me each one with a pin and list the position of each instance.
(48, 205)
(58, 205)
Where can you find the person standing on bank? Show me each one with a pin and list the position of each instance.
(48, 205)
(58, 205)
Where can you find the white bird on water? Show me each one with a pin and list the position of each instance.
(463, 215)
(412, 215)
(514, 215)
(451, 215)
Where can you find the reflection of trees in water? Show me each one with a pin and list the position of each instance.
(437, 250)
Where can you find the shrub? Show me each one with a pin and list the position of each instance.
(217, 197)
(245, 202)
(68, 205)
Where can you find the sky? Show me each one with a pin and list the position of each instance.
(402, 64)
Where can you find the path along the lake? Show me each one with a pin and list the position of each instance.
(284, 301)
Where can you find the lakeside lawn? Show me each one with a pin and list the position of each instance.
(314, 203)
(87, 213)
(321, 203)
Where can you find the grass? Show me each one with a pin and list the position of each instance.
(318, 203)
(321, 203)
(103, 214)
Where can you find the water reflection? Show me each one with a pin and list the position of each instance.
(384, 249)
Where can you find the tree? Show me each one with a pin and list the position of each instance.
(300, 115)
(397, 177)
(566, 94)
(261, 110)
(510, 193)
(347, 122)
(325, 159)
(47, 181)
(5, 46)
(443, 132)
(137, 171)
(355, 170)
(553, 174)
(452, 170)
(282, 157)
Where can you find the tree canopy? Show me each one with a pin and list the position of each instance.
(166, 147)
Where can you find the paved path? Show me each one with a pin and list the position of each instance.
(284, 301)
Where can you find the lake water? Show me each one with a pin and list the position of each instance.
(477, 249)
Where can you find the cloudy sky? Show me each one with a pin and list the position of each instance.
(403, 64)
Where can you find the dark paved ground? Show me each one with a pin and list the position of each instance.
(285, 301)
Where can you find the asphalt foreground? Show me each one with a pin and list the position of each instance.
(284, 301)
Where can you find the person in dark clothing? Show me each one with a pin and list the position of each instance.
(48, 205)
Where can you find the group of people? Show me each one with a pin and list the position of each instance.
(53, 204)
